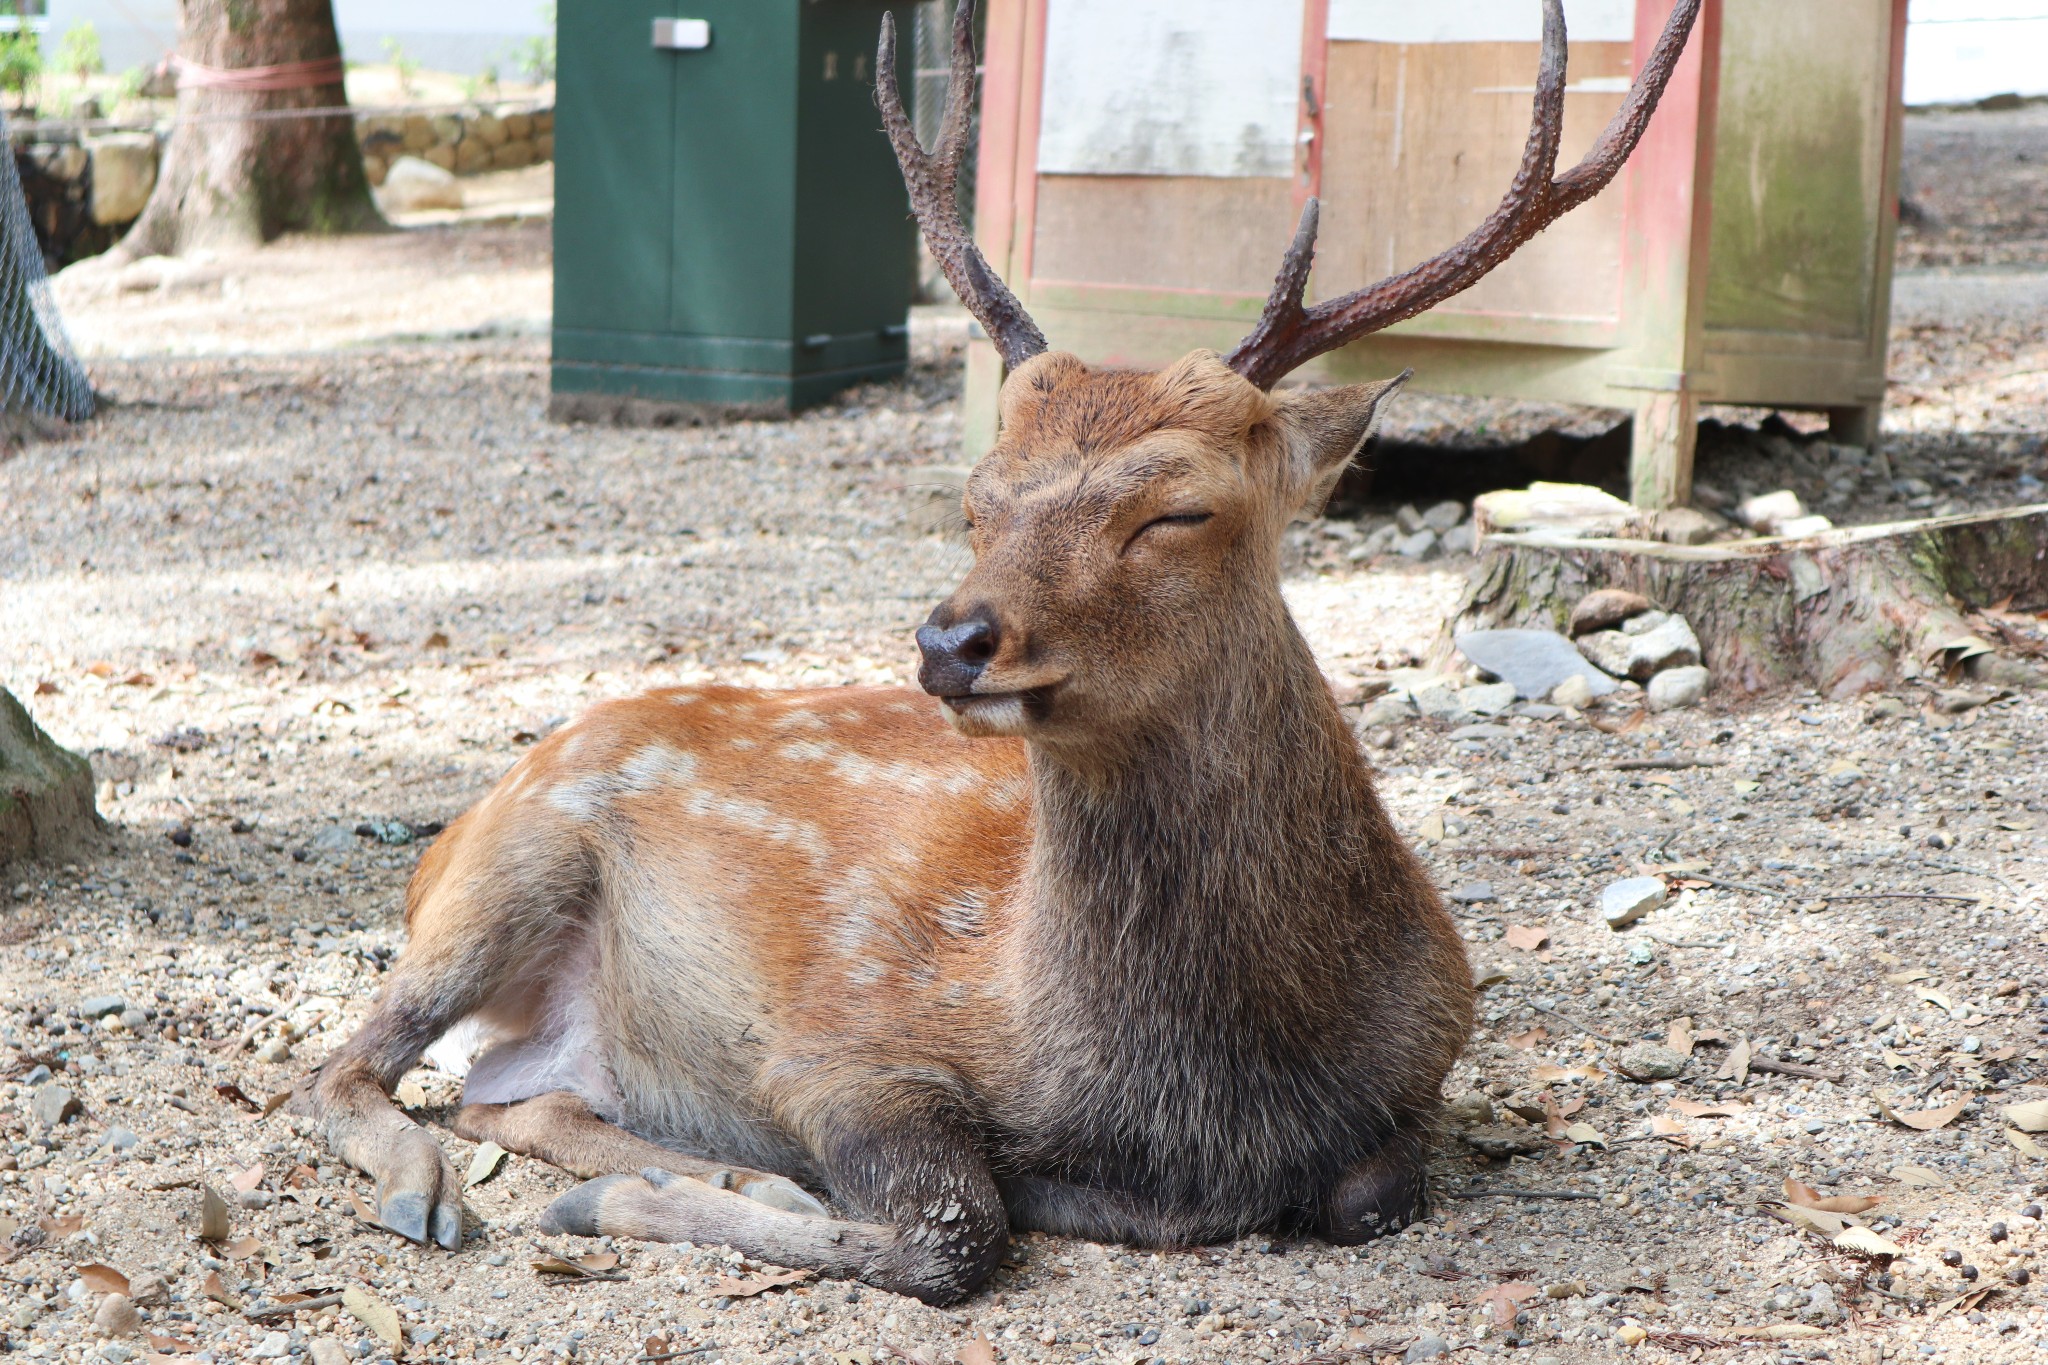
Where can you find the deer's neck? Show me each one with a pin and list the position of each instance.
(1228, 847)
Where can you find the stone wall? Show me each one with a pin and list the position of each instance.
(84, 189)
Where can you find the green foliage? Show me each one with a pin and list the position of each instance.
(537, 55)
(408, 68)
(484, 82)
(21, 60)
(78, 54)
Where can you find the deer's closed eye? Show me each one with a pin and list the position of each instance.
(1172, 519)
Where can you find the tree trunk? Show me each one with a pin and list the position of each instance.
(46, 804)
(1847, 611)
(230, 182)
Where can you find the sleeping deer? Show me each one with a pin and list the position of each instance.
(1105, 933)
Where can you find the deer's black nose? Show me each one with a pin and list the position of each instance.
(955, 655)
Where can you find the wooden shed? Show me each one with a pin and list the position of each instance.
(1142, 163)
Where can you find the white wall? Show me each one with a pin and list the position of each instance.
(1958, 50)
(442, 35)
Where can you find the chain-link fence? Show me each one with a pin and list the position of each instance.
(38, 372)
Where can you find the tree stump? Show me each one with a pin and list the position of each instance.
(46, 806)
(1848, 611)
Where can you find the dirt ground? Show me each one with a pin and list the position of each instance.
(321, 572)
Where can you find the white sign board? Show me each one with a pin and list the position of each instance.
(1170, 87)
(1477, 21)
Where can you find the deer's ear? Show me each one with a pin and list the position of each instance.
(1321, 430)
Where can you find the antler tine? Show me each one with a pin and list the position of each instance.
(1290, 336)
(932, 178)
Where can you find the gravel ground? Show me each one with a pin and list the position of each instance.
(289, 594)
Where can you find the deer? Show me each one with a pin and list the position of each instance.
(1102, 932)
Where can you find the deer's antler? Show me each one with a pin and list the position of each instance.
(931, 178)
(1289, 335)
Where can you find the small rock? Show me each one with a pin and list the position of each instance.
(1608, 651)
(326, 1352)
(134, 1018)
(121, 1139)
(1439, 702)
(1487, 699)
(1471, 1108)
(1391, 709)
(37, 1075)
(334, 839)
(1374, 545)
(1459, 540)
(276, 1050)
(1428, 1346)
(1667, 642)
(1535, 661)
(149, 1289)
(1480, 734)
(1651, 1062)
(1574, 692)
(255, 1199)
(1606, 608)
(412, 184)
(53, 1104)
(1956, 701)
(1631, 1335)
(116, 1316)
(1408, 520)
(1886, 708)
(1677, 688)
(1820, 1306)
(1687, 526)
(1421, 545)
(1443, 516)
(1472, 893)
(1624, 902)
(97, 1006)
(1767, 512)
(1566, 509)
(1804, 526)
(273, 1346)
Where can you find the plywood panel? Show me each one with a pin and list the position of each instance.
(1422, 142)
(1798, 167)
(1162, 232)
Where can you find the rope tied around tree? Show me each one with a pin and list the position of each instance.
(308, 75)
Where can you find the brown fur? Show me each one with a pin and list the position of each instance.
(1130, 950)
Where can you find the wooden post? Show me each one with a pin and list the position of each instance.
(1006, 170)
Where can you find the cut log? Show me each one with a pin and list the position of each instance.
(46, 807)
(1847, 611)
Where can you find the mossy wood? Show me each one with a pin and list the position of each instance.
(45, 791)
(1846, 611)
(239, 169)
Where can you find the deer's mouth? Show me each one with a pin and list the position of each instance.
(999, 713)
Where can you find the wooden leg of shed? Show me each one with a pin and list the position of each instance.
(1660, 457)
(1855, 426)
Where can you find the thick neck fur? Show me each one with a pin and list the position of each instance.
(1203, 923)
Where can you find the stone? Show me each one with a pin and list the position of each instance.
(1687, 526)
(1374, 545)
(1605, 608)
(1651, 1062)
(1488, 699)
(326, 1351)
(1501, 1141)
(1428, 1346)
(46, 792)
(274, 1346)
(418, 133)
(1439, 702)
(1442, 516)
(334, 839)
(1480, 734)
(1534, 661)
(1624, 902)
(1606, 650)
(1668, 642)
(53, 1104)
(1766, 512)
(447, 127)
(1459, 540)
(1805, 526)
(123, 169)
(1886, 708)
(121, 1139)
(274, 1051)
(1387, 710)
(98, 1006)
(1677, 688)
(1571, 510)
(116, 1316)
(1408, 519)
(1574, 692)
(1821, 1306)
(1472, 893)
(490, 130)
(1472, 1107)
(511, 156)
(134, 1018)
(441, 155)
(472, 155)
(413, 184)
(518, 127)
(1419, 546)
(149, 1289)
(1644, 622)
(544, 146)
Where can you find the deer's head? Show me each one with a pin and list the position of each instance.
(1126, 526)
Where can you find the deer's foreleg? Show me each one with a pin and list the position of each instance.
(926, 1217)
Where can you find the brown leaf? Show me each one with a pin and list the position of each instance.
(437, 640)
(375, 1314)
(410, 1095)
(364, 1211)
(61, 1224)
(303, 1177)
(759, 1283)
(234, 1094)
(1678, 1036)
(1664, 1126)
(1527, 939)
(1736, 1068)
(1918, 1176)
(213, 1215)
(1807, 1197)
(275, 1101)
(599, 1265)
(47, 688)
(242, 1248)
(1693, 1109)
(1926, 1120)
(2032, 1117)
(216, 1289)
(1526, 1041)
(1546, 1072)
(976, 1350)
(171, 1345)
(1505, 1300)
(249, 1179)
(103, 1279)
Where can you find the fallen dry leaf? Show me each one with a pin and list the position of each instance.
(1678, 1036)
(1505, 1300)
(1935, 997)
(213, 1215)
(1814, 1220)
(410, 1095)
(1546, 1072)
(1906, 978)
(484, 1164)
(1807, 1197)
(598, 1265)
(249, 1179)
(1895, 1062)
(242, 1248)
(364, 1211)
(1961, 1303)
(977, 1350)
(1777, 1331)
(1919, 1176)
(2033, 1117)
(171, 1345)
(375, 1314)
(61, 1224)
(2025, 1143)
(216, 1289)
(1585, 1133)
(234, 1094)
(760, 1283)
(1864, 1242)
(1526, 1041)
(275, 1101)
(1736, 1068)
(1525, 938)
(103, 1279)
(1664, 1126)
(1694, 1109)
(1926, 1120)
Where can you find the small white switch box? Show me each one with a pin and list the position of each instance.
(685, 35)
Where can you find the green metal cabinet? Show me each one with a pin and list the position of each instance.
(731, 232)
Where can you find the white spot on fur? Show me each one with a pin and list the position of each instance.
(659, 765)
(742, 742)
(963, 914)
(802, 720)
(586, 798)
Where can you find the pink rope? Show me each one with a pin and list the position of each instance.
(251, 79)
